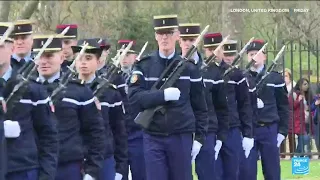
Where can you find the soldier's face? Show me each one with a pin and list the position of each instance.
(87, 64)
(22, 44)
(167, 40)
(229, 59)
(128, 60)
(49, 63)
(260, 58)
(66, 48)
(208, 51)
(185, 44)
(104, 55)
(6, 51)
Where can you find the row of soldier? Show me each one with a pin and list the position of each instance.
(216, 120)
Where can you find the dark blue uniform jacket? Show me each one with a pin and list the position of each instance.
(216, 99)
(113, 114)
(238, 97)
(274, 96)
(80, 127)
(37, 146)
(187, 115)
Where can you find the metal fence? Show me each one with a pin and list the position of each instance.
(301, 59)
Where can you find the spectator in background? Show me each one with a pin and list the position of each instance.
(315, 109)
(299, 99)
(289, 84)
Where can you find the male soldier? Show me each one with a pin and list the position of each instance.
(77, 116)
(271, 125)
(216, 102)
(22, 35)
(105, 45)
(30, 129)
(135, 138)
(112, 112)
(69, 40)
(188, 35)
(240, 119)
(168, 141)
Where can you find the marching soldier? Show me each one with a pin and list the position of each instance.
(29, 128)
(271, 125)
(79, 122)
(188, 35)
(116, 158)
(240, 118)
(216, 102)
(70, 39)
(105, 45)
(185, 108)
(23, 40)
(135, 138)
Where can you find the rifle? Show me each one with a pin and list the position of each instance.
(271, 68)
(144, 118)
(253, 61)
(66, 77)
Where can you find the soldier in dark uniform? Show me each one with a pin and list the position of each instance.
(110, 103)
(188, 35)
(211, 42)
(23, 40)
(77, 117)
(135, 138)
(271, 125)
(69, 40)
(169, 140)
(216, 102)
(30, 129)
(240, 137)
(105, 45)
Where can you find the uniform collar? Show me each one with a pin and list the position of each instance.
(91, 79)
(51, 79)
(258, 70)
(7, 74)
(169, 57)
(27, 58)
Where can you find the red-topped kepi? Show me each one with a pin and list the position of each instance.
(212, 39)
(72, 32)
(255, 45)
(126, 42)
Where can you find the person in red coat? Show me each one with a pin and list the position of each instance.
(299, 122)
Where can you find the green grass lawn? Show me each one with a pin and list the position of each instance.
(286, 171)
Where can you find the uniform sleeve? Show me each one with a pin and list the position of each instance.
(219, 99)
(198, 103)
(47, 133)
(254, 105)
(140, 94)
(116, 116)
(93, 128)
(244, 105)
(282, 104)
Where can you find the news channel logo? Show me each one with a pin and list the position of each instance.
(300, 165)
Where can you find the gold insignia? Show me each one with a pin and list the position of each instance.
(163, 22)
(19, 27)
(42, 42)
(229, 47)
(212, 40)
(98, 104)
(254, 44)
(134, 78)
(187, 30)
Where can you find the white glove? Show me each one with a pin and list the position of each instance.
(118, 176)
(171, 94)
(247, 145)
(88, 177)
(260, 103)
(195, 150)
(280, 138)
(217, 148)
(11, 129)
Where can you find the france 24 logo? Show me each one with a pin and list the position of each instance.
(300, 165)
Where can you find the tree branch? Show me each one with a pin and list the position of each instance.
(28, 9)
(5, 10)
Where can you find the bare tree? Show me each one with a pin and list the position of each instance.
(28, 9)
(5, 9)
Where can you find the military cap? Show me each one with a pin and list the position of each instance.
(72, 32)
(3, 28)
(255, 45)
(126, 42)
(92, 48)
(189, 30)
(165, 22)
(54, 46)
(22, 27)
(104, 43)
(212, 39)
(230, 46)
